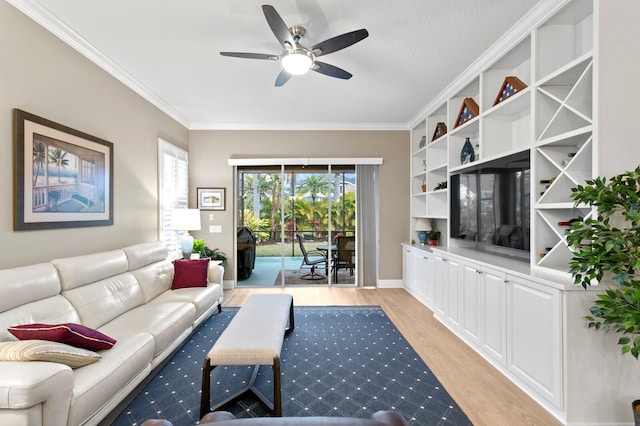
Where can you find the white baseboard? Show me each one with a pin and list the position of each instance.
(390, 284)
(228, 284)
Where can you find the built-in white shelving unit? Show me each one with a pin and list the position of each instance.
(552, 117)
(576, 117)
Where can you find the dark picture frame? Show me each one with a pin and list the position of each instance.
(63, 178)
(212, 198)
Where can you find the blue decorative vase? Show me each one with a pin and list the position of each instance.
(467, 155)
(422, 236)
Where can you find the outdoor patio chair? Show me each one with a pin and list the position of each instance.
(344, 255)
(313, 259)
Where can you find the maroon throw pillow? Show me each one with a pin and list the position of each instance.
(190, 273)
(71, 334)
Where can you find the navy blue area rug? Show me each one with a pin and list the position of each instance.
(348, 361)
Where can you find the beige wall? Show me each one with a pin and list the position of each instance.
(42, 75)
(208, 167)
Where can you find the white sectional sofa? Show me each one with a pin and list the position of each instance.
(125, 294)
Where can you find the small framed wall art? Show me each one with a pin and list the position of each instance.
(211, 198)
(510, 87)
(468, 110)
(63, 178)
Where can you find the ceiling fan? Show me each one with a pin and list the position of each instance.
(297, 59)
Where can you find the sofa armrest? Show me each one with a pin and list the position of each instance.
(216, 274)
(24, 385)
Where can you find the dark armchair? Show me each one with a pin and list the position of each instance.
(313, 259)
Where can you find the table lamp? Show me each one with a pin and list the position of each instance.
(423, 227)
(186, 220)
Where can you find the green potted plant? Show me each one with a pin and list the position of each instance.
(608, 246)
(214, 254)
(433, 237)
(607, 249)
(200, 247)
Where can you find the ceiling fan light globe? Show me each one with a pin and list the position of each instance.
(297, 62)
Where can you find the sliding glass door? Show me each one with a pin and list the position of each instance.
(296, 216)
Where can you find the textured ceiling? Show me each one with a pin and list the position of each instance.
(168, 51)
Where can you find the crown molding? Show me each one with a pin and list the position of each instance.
(302, 126)
(56, 27)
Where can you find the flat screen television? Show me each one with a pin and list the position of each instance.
(490, 204)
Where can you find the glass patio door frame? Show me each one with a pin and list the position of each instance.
(288, 200)
(282, 163)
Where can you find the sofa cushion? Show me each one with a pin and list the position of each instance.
(51, 310)
(42, 350)
(115, 375)
(100, 302)
(69, 333)
(27, 284)
(78, 271)
(154, 279)
(203, 298)
(190, 273)
(166, 322)
(140, 255)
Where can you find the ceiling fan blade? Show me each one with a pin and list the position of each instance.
(330, 70)
(250, 55)
(339, 42)
(278, 26)
(282, 78)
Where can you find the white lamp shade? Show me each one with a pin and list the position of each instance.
(185, 220)
(297, 62)
(423, 224)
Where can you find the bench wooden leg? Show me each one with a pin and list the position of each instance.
(205, 397)
(277, 388)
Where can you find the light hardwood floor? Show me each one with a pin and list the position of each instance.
(483, 393)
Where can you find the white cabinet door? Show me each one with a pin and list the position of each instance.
(420, 277)
(494, 315)
(534, 336)
(454, 292)
(440, 286)
(418, 274)
(408, 270)
(471, 284)
(429, 261)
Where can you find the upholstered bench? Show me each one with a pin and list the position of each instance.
(254, 337)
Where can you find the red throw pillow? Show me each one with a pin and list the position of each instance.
(190, 273)
(71, 334)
